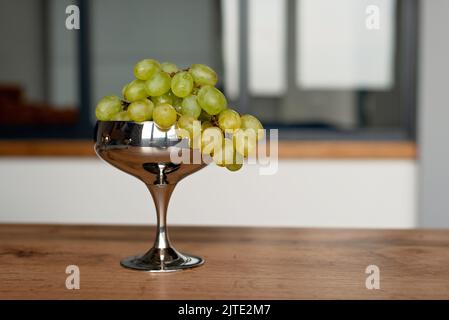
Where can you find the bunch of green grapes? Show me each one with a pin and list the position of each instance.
(169, 96)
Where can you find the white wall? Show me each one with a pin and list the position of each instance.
(434, 115)
(325, 193)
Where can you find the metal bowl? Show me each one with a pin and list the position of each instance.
(150, 154)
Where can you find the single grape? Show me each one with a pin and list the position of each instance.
(124, 90)
(192, 130)
(237, 163)
(229, 119)
(125, 87)
(252, 123)
(234, 167)
(245, 142)
(177, 101)
(186, 122)
(107, 107)
(135, 91)
(182, 84)
(205, 125)
(158, 84)
(164, 115)
(141, 110)
(169, 67)
(224, 155)
(211, 140)
(190, 106)
(212, 100)
(203, 75)
(165, 98)
(121, 116)
(146, 68)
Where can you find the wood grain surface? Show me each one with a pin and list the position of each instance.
(241, 263)
(286, 149)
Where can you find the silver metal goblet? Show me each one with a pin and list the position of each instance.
(144, 151)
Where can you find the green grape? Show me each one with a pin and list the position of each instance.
(164, 115)
(124, 89)
(192, 130)
(203, 75)
(245, 142)
(205, 125)
(224, 155)
(252, 123)
(177, 101)
(234, 167)
(211, 140)
(190, 106)
(229, 120)
(212, 100)
(158, 84)
(182, 84)
(141, 110)
(186, 122)
(121, 116)
(204, 116)
(237, 163)
(169, 67)
(165, 98)
(146, 68)
(107, 107)
(135, 91)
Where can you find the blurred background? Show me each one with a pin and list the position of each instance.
(357, 88)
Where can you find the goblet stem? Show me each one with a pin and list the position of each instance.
(161, 194)
(144, 151)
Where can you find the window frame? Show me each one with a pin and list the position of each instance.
(408, 97)
(407, 75)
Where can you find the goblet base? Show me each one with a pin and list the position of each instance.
(162, 260)
(145, 152)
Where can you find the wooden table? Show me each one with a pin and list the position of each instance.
(241, 263)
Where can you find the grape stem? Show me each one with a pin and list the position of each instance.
(214, 121)
(172, 74)
(125, 104)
